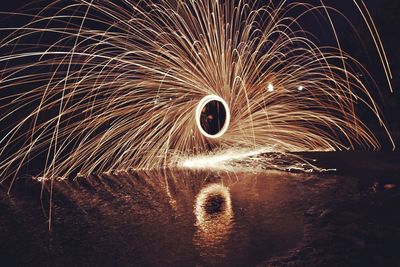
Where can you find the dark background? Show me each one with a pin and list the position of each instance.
(386, 16)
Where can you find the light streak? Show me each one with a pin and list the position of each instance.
(115, 87)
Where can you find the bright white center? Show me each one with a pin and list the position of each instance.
(270, 87)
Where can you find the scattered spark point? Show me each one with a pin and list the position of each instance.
(270, 88)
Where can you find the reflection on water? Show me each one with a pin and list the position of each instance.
(214, 221)
(155, 219)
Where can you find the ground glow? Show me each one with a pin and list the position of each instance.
(214, 219)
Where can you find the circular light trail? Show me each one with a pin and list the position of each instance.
(212, 116)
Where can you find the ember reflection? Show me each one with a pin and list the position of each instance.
(214, 220)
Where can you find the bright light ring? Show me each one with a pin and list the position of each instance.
(203, 102)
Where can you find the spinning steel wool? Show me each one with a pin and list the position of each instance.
(118, 85)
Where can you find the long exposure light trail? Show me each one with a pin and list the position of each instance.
(97, 86)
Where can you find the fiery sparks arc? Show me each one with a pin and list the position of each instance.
(113, 85)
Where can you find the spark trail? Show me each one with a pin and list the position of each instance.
(114, 85)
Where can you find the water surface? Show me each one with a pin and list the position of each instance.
(182, 218)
